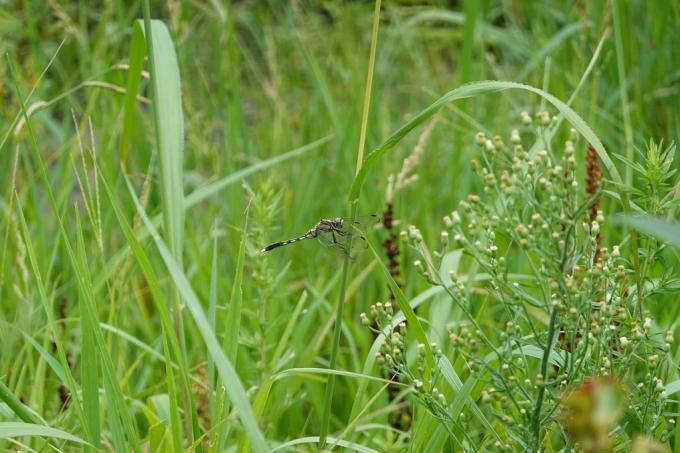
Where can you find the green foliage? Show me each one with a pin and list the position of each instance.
(576, 303)
(136, 313)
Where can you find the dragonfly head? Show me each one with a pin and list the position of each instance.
(338, 221)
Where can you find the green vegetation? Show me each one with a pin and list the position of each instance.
(519, 294)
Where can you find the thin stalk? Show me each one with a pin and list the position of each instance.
(628, 135)
(328, 398)
(536, 422)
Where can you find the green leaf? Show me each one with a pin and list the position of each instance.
(49, 359)
(230, 378)
(413, 322)
(169, 122)
(471, 90)
(205, 192)
(17, 407)
(134, 76)
(653, 226)
(331, 440)
(10, 430)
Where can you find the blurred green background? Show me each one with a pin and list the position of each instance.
(260, 78)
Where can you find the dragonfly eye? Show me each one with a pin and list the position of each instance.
(338, 220)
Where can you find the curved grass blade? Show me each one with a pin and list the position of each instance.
(22, 411)
(230, 378)
(9, 430)
(472, 90)
(329, 439)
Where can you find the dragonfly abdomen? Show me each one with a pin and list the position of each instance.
(289, 241)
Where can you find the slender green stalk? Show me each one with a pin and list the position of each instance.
(328, 398)
(167, 113)
(628, 135)
(536, 421)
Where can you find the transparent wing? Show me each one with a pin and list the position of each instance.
(363, 222)
(338, 240)
(348, 242)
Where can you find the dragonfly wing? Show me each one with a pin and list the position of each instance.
(338, 240)
(348, 240)
(362, 222)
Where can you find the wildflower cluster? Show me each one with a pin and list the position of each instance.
(564, 307)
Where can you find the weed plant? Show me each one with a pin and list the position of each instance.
(566, 317)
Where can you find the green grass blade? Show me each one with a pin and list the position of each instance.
(169, 126)
(233, 324)
(472, 90)
(49, 359)
(658, 228)
(236, 300)
(413, 322)
(170, 342)
(463, 394)
(89, 365)
(230, 379)
(134, 77)
(212, 319)
(9, 430)
(205, 192)
(332, 440)
(22, 411)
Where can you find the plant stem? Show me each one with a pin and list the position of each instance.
(536, 423)
(328, 398)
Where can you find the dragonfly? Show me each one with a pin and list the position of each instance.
(336, 232)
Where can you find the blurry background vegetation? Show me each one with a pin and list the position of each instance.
(260, 78)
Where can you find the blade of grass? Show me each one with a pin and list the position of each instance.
(617, 12)
(205, 192)
(233, 326)
(83, 283)
(22, 411)
(314, 440)
(335, 346)
(9, 430)
(212, 319)
(230, 379)
(89, 367)
(653, 226)
(170, 343)
(96, 348)
(169, 130)
(475, 89)
(134, 77)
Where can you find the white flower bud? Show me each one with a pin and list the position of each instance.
(526, 118)
(514, 137)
